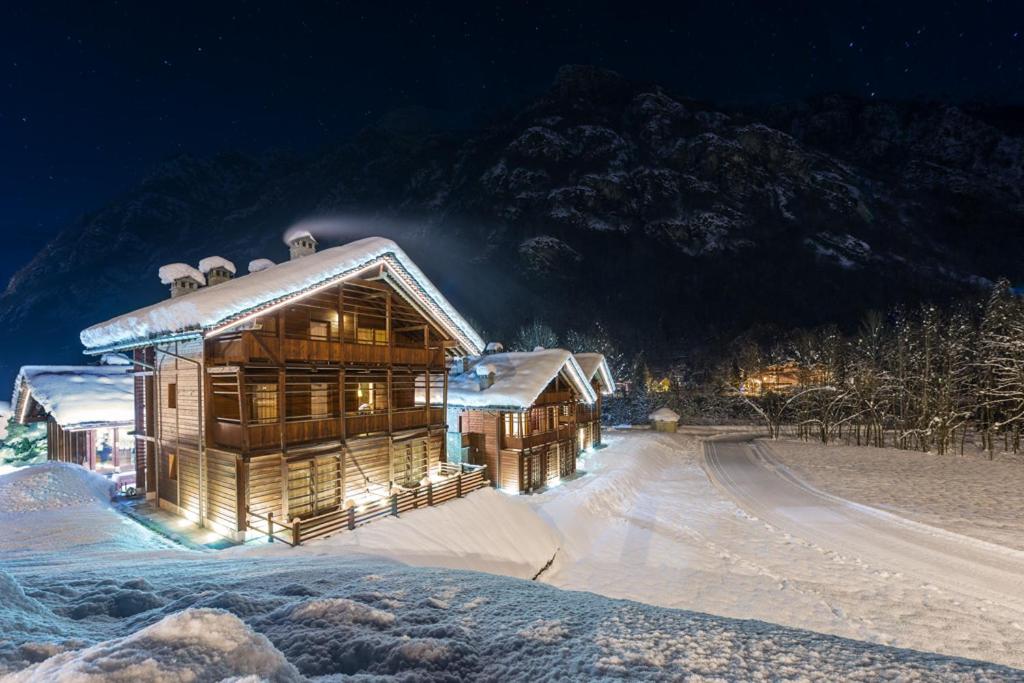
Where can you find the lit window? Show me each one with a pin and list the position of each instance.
(263, 403)
(514, 424)
(319, 329)
(319, 400)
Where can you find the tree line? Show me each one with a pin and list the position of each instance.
(928, 379)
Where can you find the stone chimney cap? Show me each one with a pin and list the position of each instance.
(300, 233)
(175, 271)
(211, 262)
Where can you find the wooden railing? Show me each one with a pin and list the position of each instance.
(250, 345)
(539, 439)
(228, 433)
(458, 481)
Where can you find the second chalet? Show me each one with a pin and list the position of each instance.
(304, 391)
(518, 415)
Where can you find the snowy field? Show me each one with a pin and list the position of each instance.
(967, 495)
(86, 594)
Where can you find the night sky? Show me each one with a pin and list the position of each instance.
(95, 93)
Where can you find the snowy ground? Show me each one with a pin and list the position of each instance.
(648, 525)
(967, 495)
(86, 594)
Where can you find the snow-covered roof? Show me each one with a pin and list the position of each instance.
(210, 310)
(596, 364)
(519, 378)
(79, 396)
(210, 262)
(256, 265)
(664, 415)
(175, 271)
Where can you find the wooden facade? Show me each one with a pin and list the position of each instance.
(331, 402)
(525, 450)
(588, 419)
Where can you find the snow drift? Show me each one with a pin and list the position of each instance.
(191, 645)
(50, 486)
(485, 531)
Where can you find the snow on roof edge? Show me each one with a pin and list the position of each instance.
(103, 387)
(568, 364)
(122, 332)
(601, 366)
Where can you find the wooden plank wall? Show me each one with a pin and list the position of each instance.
(366, 461)
(484, 428)
(221, 494)
(178, 428)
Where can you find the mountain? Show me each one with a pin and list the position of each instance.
(672, 221)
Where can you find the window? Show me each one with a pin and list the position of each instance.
(172, 395)
(369, 335)
(319, 400)
(514, 424)
(319, 329)
(172, 466)
(371, 396)
(263, 403)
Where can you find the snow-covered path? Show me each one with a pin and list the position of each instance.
(950, 562)
(647, 524)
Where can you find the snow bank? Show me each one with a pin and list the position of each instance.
(486, 531)
(175, 271)
(80, 396)
(519, 378)
(192, 645)
(213, 307)
(50, 486)
(968, 495)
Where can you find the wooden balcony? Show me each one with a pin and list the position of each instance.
(252, 346)
(262, 437)
(550, 397)
(533, 440)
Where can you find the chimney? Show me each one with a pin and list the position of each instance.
(485, 375)
(216, 270)
(301, 244)
(183, 278)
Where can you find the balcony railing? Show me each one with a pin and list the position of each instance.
(541, 438)
(229, 433)
(250, 345)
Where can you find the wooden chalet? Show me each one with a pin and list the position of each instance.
(517, 413)
(306, 395)
(88, 411)
(588, 416)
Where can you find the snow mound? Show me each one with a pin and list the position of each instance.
(341, 610)
(486, 531)
(50, 486)
(210, 262)
(174, 271)
(192, 645)
(256, 265)
(664, 415)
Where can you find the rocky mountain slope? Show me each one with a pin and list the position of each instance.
(670, 220)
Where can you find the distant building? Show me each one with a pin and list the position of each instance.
(88, 411)
(588, 416)
(779, 378)
(517, 413)
(664, 420)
